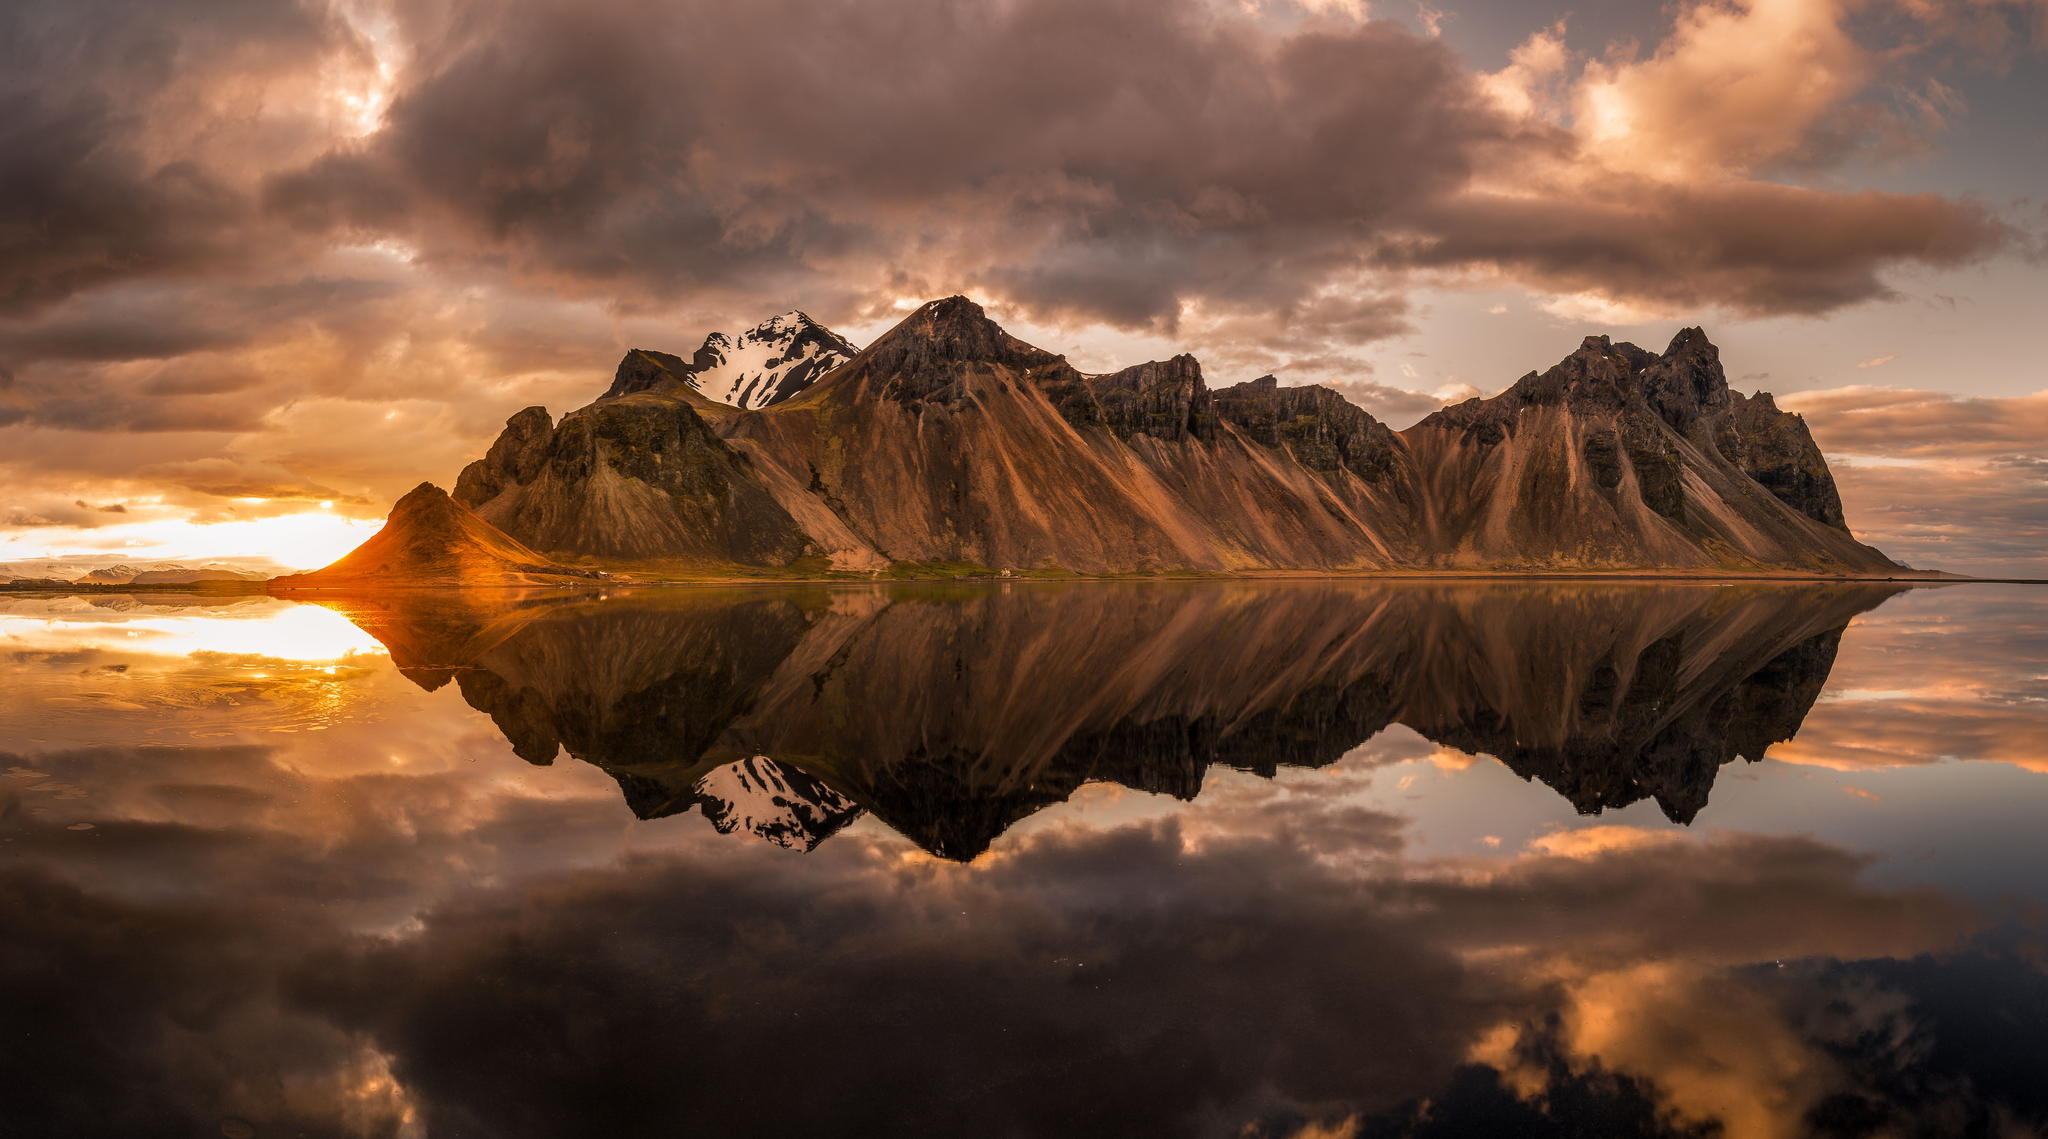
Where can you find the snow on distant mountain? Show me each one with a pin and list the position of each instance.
(122, 573)
(98, 572)
(773, 801)
(182, 575)
(764, 365)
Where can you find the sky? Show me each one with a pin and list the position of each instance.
(265, 265)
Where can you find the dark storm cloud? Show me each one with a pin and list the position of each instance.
(1108, 160)
(146, 321)
(1145, 979)
(92, 92)
(1754, 247)
(1101, 161)
(175, 1034)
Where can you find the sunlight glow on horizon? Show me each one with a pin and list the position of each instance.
(306, 540)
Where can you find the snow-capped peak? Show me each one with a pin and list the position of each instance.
(769, 362)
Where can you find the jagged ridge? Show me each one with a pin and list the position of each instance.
(949, 440)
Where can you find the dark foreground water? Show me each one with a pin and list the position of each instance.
(1291, 859)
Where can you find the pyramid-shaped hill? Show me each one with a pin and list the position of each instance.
(949, 441)
(430, 540)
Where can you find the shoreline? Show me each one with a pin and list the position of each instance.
(1928, 577)
(266, 589)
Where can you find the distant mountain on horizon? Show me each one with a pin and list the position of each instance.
(99, 571)
(949, 443)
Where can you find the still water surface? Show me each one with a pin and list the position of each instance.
(1285, 859)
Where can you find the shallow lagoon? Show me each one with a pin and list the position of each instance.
(1288, 858)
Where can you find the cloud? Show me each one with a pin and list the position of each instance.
(112, 158)
(1908, 423)
(1876, 361)
(1025, 153)
(1938, 479)
(1735, 86)
(1392, 405)
(1079, 205)
(1650, 247)
(227, 478)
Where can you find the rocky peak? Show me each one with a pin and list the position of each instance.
(428, 510)
(644, 369)
(515, 457)
(954, 330)
(1323, 430)
(766, 364)
(421, 501)
(769, 363)
(1686, 382)
(927, 355)
(1165, 399)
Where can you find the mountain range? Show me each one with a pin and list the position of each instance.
(949, 444)
(126, 573)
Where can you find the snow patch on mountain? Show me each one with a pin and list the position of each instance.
(768, 363)
(773, 801)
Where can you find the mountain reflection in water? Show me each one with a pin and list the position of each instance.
(257, 882)
(952, 714)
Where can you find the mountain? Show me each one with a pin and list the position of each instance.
(126, 573)
(106, 571)
(122, 573)
(950, 442)
(950, 715)
(1619, 457)
(947, 440)
(764, 365)
(185, 575)
(432, 540)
